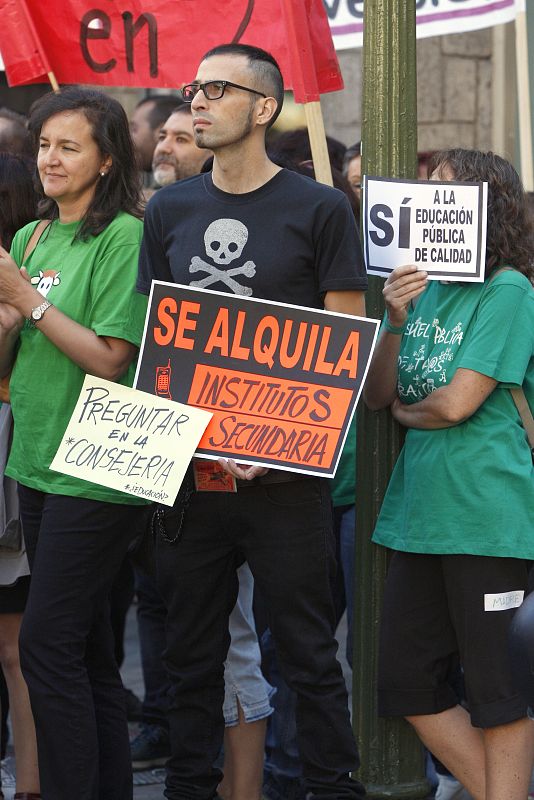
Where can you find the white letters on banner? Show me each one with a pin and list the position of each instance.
(434, 17)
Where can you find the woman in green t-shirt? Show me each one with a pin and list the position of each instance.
(458, 512)
(72, 310)
(17, 208)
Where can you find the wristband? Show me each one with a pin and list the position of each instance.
(393, 329)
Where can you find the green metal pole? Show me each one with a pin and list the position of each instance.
(391, 754)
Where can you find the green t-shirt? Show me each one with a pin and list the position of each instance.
(343, 486)
(468, 488)
(92, 282)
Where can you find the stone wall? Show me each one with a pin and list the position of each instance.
(454, 93)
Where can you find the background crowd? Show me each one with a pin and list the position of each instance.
(445, 662)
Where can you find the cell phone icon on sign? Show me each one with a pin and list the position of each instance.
(163, 381)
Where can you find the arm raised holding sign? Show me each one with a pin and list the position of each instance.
(403, 286)
(458, 511)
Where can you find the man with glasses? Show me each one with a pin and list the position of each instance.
(300, 244)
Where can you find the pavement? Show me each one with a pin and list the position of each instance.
(149, 785)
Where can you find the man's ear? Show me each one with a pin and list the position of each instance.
(266, 110)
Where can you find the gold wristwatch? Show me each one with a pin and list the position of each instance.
(37, 313)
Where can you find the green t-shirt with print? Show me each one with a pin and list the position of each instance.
(468, 488)
(92, 282)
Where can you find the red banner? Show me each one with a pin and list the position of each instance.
(159, 43)
(20, 45)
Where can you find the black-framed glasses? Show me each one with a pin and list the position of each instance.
(213, 90)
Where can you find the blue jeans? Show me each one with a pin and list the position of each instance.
(243, 678)
(284, 531)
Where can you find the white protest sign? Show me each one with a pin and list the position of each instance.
(129, 440)
(433, 18)
(438, 225)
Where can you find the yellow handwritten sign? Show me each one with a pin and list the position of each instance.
(129, 440)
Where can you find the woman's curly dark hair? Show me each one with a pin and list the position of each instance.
(510, 232)
(18, 199)
(120, 190)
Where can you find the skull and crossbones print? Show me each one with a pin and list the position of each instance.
(224, 242)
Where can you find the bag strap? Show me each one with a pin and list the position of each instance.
(498, 272)
(33, 241)
(518, 395)
(525, 413)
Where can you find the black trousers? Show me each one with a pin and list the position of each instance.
(151, 620)
(284, 531)
(75, 548)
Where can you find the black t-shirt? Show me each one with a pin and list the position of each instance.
(291, 241)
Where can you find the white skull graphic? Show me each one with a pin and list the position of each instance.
(224, 240)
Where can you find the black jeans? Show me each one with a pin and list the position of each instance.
(151, 618)
(285, 533)
(75, 548)
(120, 599)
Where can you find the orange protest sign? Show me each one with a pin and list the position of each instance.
(281, 381)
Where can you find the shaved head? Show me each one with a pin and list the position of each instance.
(263, 67)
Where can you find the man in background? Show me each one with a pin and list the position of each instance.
(145, 124)
(14, 136)
(176, 155)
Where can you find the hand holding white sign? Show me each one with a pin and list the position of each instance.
(403, 286)
(438, 225)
